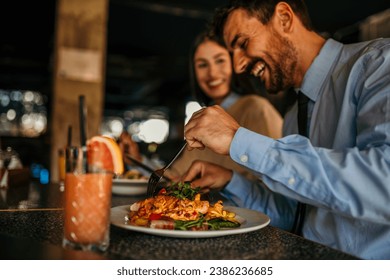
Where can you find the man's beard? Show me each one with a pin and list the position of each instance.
(281, 65)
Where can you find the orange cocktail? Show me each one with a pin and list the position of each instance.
(87, 210)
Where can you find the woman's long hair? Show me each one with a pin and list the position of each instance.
(196, 91)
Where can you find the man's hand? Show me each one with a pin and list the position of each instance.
(211, 127)
(207, 175)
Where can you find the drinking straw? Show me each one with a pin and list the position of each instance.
(83, 130)
(69, 143)
(83, 118)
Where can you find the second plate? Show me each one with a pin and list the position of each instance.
(129, 186)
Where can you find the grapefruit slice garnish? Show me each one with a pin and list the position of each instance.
(104, 154)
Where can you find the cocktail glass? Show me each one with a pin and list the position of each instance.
(87, 203)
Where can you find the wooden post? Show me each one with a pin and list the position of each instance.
(79, 69)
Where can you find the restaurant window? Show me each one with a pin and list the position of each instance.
(148, 127)
(23, 113)
(145, 125)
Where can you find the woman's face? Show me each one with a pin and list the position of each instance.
(213, 70)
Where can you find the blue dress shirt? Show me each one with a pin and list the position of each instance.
(343, 172)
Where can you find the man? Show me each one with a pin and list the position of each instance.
(342, 173)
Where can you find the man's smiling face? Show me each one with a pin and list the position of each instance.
(260, 50)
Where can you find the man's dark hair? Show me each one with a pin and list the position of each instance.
(263, 10)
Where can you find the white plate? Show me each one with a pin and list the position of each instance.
(250, 220)
(129, 186)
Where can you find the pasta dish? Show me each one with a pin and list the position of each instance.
(180, 207)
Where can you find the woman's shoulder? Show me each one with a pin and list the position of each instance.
(255, 106)
(258, 114)
(253, 101)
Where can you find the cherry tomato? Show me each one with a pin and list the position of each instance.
(162, 191)
(154, 217)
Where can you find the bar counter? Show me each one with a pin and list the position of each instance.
(31, 228)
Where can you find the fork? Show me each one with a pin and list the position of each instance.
(158, 174)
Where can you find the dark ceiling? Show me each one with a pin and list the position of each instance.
(167, 27)
(147, 46)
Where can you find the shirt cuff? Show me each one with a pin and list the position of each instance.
(248, 148)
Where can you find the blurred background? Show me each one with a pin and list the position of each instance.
(146, 66)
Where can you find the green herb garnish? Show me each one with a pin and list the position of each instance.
(182, 190)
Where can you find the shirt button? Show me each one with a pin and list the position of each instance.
(291, 181)
(244, 158)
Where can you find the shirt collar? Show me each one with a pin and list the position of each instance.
(320, 68)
